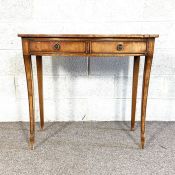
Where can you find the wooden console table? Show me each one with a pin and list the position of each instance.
(87, 45)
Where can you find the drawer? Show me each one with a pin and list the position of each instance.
(58, 46)
(118, 47)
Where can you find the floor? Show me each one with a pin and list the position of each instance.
(87, 148)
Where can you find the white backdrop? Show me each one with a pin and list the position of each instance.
(69, 94)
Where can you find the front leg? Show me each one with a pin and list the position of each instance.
(146, 77)
(29, 78)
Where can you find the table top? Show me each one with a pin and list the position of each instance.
(88, 35)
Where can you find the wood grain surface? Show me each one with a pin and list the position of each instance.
(87, 45)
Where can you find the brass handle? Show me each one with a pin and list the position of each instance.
(57, 46)
(120, 47)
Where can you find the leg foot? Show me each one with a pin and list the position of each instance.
(31, 146)
(132, 129)
(142, 142)
(31, 142)
(41, 127)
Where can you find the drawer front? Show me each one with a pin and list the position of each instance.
(118, 47)
(58, 46)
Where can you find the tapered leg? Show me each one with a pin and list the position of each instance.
(134, 89)
(40, 88)
(146, 77)
(29, 77)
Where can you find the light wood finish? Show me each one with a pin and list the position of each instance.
(64, 46)
(145, 85)
(88, 35)
(134, 90)
(87, 45)
(29, 77)
(40, 88)
(111, 47)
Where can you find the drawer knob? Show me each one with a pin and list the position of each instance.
(120, 47)
(57, 46)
